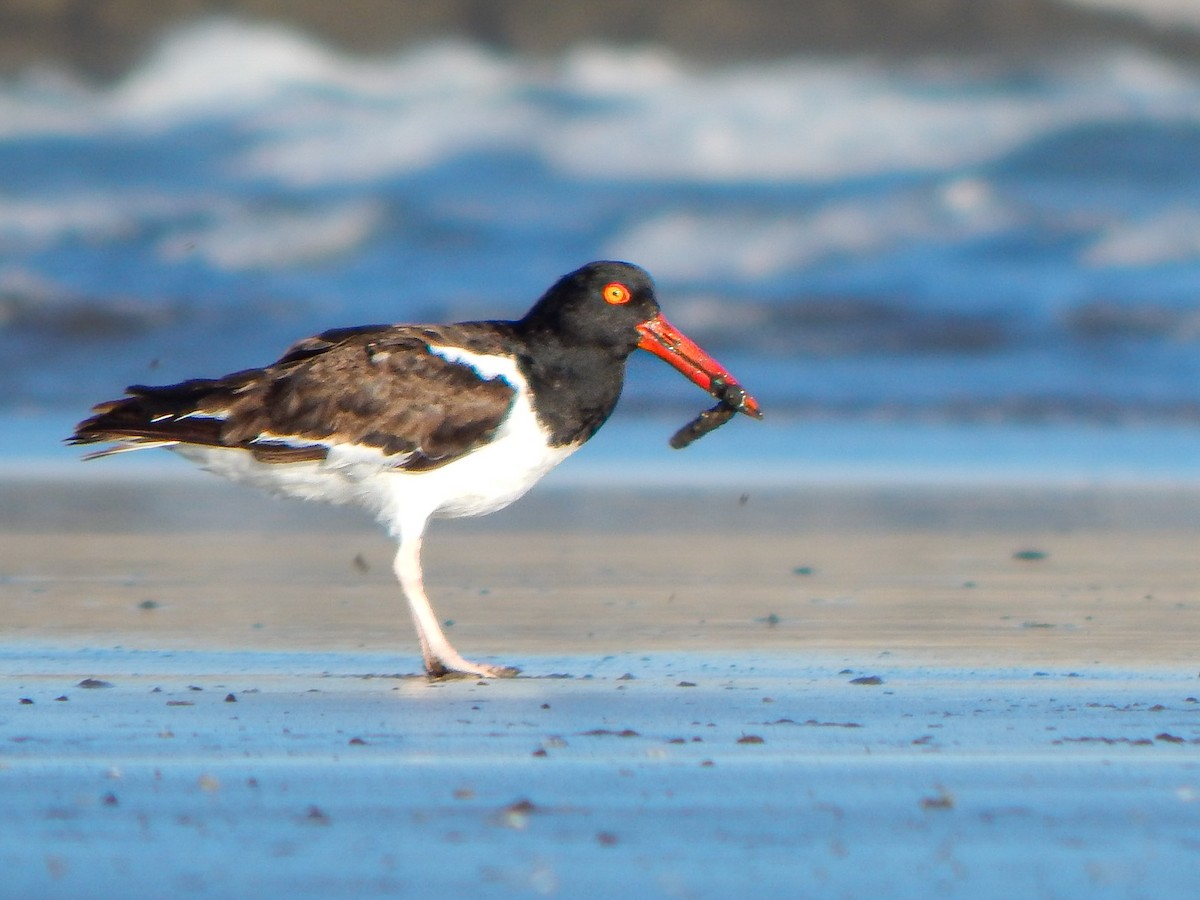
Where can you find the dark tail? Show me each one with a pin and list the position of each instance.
(153, 416)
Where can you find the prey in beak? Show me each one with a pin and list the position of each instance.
(665, 341)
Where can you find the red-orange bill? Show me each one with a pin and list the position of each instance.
(666, 342)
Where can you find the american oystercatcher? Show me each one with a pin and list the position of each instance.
(417, 421)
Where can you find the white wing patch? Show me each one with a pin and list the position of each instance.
(289, 440)
(198, 414)
(127, 447)
(485, 365)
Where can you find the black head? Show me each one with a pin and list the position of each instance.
(600, 304)
(604, 311)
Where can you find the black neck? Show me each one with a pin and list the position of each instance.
(575, 387)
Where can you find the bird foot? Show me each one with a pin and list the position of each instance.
(457, 667)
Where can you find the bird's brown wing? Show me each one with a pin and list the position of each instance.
(375, 386)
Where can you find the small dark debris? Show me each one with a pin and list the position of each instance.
(686, 684)
(180, 703)
(194, 687)
(148, 604)
(597, 732)
(942, 800)
(803, 570)
(540, 752)
(1030, 555)
(628, 676)
(1157, 707)
(770, 620)
(545, 706)
(707, 764)
(516, 815)
(867, 679)
(1168, 738)
(110, 800)
(316, 816)
(63, 698)
(357, 742)
(605, 838)
(230, 698)
(25, 701)
(94, 683)
(361, 564)
(1137, 742)
(814, 723)
(677, 741)
(750, 739)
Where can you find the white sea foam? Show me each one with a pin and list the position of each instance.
(312, 115)
(1164, 13)
(687, 245)
(1169, 236)
(28, 224)
(219, 68)
(249, 239)
(300, 117)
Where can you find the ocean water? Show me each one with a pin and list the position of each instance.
(944, 264)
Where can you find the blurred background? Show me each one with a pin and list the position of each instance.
(934, 237)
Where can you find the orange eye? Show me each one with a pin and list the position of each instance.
(616, 293)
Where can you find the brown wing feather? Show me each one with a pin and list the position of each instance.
(378, 386)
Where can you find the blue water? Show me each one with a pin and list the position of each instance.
(885, 254)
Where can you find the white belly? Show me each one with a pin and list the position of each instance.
(483, 481)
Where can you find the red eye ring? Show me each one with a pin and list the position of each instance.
(616, 293)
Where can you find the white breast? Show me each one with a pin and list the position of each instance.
(483, 481)
(497, 473)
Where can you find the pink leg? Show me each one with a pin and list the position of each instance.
(440, 658)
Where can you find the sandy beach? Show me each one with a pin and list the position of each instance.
(1009, 576)
(831, 691)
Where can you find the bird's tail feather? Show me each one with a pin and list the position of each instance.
(151, 417)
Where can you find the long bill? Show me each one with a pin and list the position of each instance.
(666, 342)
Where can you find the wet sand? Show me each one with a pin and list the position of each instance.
(848, 691)
(1029, 576)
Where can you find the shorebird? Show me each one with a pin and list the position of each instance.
(413, 422)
